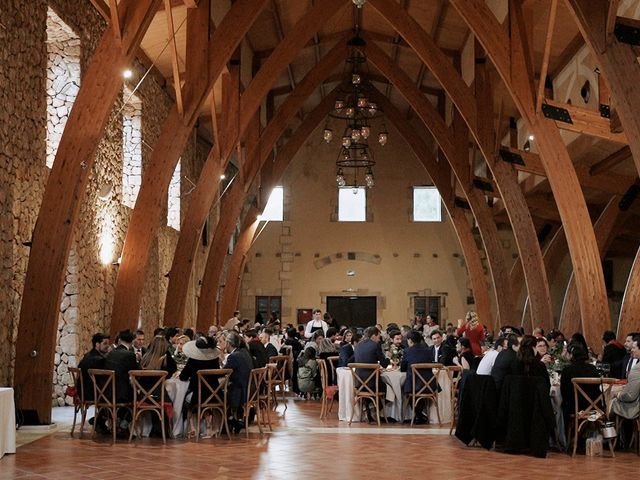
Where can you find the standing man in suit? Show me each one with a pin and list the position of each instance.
(121, 360)
(627, 402)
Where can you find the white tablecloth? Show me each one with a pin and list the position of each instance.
(7, 422)
(394, 407)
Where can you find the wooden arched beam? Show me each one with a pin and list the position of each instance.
(147, 215)
(618, 63)
(456, 152)
(63, 196)
(206, 189)
(477, 112)
(231, 292)
(605, 229)
(511, 58)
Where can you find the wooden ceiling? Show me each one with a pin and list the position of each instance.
(450, 33)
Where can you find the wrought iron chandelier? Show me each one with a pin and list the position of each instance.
(355, 159)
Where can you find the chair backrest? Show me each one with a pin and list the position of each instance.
(363, 375)
(278, 374)
(322, 365)
(430, 384)
(288, 351)
(256, 381)
(145, 384)
(104, 386)
(333, 362)
(594, 404)
(213, 395)
(76, 376)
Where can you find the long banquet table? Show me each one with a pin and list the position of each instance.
(7, 422)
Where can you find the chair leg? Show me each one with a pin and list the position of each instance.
(353, 410)
(435, 400)
(413, 412)
(377, 411)
(83, 418)
(575, 437)
(95, 420)
(198, 419)
(164, 435)
(75, 414)
(114, 422)
(133, 423)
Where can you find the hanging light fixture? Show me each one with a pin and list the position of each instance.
(355, 160)
(359, 3)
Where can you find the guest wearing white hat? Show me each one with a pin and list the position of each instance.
(202, 354)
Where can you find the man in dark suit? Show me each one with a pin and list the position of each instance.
(121, 361)
(440, 352)
(628, 362)
(369, 351)
(347, 350)
(256, 349)
(418, 352)
(94, 358)
(265, 339)
(138, 345)
(240, 361)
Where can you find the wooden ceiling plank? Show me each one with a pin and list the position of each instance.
(567, 55)
(175, 66)
(547, 53)
(214, 125)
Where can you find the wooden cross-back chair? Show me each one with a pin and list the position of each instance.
(212, 398)
(454, 372)
(278, 378)
(362, 390)
(595, 409)
(429, 389)
(333, 363)
(104, 397)
(148, 396)
(328, 391)
(80, 403)
(254, 398)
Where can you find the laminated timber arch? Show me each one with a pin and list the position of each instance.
(439, 172)
(61, 204)
(206, 189)
(478, 115)
(618, 63)
(205, 53)
(605, 230)
(511, 58)
(455, 149)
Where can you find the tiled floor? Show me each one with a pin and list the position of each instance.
(301, 447)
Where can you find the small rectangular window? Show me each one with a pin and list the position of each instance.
(274, 211)
(352, 204)
(426, 204)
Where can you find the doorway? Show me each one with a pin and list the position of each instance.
(353, 311)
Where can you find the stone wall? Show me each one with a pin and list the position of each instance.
(86, 302)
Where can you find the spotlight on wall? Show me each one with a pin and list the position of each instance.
(127, 73)
(223, 176)
(531, 138)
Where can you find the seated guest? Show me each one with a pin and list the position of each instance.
(172, 334)
(157, 357)
(121, 361)
(239, 360)
(538, 332)
(202, 354)
(418, 352)
(346, 351)
(627, 402)
(527, 362)
(256, 349)
(308, 373)
(440, 352)
(327, 347)
(505, 363)
(542, 351)
(489, 358)
(628, 362)
(212, 332)
(347, 336)
(405, 330)
(94, 358)
(316, 340)
(579, 338)
(190, 334)
(394, 350)
(178, 356)
(465, 355)
(369, 350)
(614, 351)
(578, 368)
(265, 339)
(139, 345)
(291, 340)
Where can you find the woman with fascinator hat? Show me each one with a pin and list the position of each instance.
(202, 354)
(473, 330)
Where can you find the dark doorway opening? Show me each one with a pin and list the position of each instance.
(353, 311)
